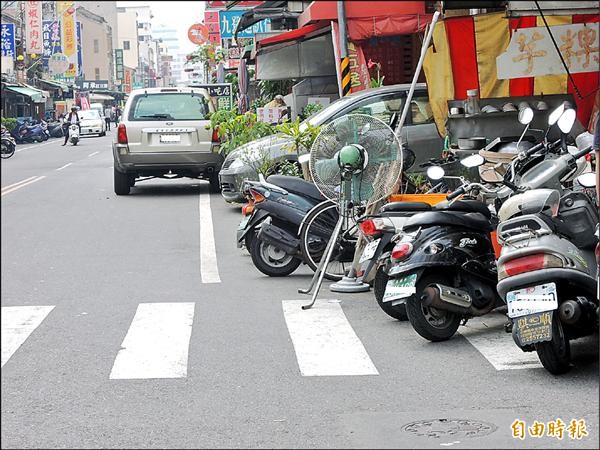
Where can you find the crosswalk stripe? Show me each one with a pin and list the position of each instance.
(157, 342)
(17, 323)
(324, 340)
(487, 335)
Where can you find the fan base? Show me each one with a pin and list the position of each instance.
(349, 285)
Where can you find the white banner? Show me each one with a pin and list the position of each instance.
(531, 52)
(33, 27)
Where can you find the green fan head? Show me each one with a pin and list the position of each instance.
(351, 156)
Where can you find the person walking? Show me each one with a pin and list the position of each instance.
(72, 118)
(107, 116)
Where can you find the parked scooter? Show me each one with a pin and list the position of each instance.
(548, 270)
(8, 144)
(25, 133)
(270, 232)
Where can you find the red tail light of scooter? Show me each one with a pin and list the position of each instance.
(374, 226)
(402, 250)
(528, 264)
(256, 196)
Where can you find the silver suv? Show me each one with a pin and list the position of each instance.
(164, 132)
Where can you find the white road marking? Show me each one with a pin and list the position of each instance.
(487, 335)
(209, 271)
(66, 165)
(18, 322)
(92, 154)
(34, 146)
(324, 340)
(22, 184)
(157, 343)
(17, 183)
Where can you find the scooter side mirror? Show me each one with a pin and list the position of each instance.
(567, 120)
(525, 116)
(587, 180)
(473, 161)
(435, 172)
(555, 115)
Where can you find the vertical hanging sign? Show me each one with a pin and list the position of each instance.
(33, 27)
(66, 13)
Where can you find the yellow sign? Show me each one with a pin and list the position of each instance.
(555, 428)
(66, 11)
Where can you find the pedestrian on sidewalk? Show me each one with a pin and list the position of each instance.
(107, 116)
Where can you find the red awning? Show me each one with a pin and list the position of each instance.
(371, 19)
(292, 35)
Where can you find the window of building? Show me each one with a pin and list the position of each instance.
(96, 46)
(141, 38)
(97, 73)
(126, 45)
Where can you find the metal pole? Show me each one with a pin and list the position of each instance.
(344, 61)
(424, 48)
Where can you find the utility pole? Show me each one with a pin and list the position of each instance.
(344, 60)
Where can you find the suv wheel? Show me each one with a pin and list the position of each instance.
(121, 183)
(215, 187)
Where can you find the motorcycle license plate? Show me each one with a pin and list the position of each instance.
(400, 288)
(532, 300)
(369, 251)
(534, 328)
(170, 138)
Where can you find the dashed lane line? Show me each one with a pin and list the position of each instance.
(65, 166)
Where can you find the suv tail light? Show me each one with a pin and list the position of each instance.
(374, 226)
(402, 250)
(122, 134)
(528, 264)
(215, 136)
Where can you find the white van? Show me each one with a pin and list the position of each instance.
(100, 108)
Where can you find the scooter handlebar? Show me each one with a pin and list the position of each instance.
(583, 152)
(461, 190)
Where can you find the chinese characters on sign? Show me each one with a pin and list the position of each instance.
(556, 428)
(51, 40)
(93, 84)
(7, 40)
(211, 20)
(33, 26)
(229, 20)
(531, 52)
(119, 63)
(221, 94)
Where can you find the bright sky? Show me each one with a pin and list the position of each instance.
(178, 15)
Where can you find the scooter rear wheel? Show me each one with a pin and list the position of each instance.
(271, 260)
(432, 324)
(7, 150)
(555, 355)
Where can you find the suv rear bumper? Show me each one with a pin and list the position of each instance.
(157, 163)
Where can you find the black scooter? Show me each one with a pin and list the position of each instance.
(270, 233)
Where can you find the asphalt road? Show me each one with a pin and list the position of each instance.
(240, 366)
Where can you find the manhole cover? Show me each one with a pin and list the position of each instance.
(438, 428)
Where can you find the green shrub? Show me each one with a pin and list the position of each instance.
(236, 130)
(9, 122)
(311, 109)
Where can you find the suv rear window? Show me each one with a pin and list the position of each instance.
(168, 107)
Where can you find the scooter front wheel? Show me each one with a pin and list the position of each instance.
(431, 323)
(555, 355)
(271, 260)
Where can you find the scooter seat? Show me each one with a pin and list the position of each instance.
(296, 185)
(464, 206)
(471, 220)
(405, 206)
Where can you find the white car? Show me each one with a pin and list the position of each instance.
(91, 122)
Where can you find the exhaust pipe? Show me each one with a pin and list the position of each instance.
(570, 312)
(446, 298)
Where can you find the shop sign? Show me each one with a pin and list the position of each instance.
(50, 40)
(33, 27)
(221, 94)
(228, 22)
(119, 64)
(92, 84)
(531, 52)
(7, 40)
